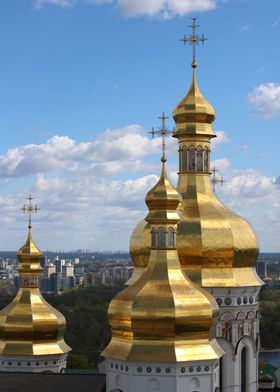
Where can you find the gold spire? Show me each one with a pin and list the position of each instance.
(140, 237)
(216, 247)
(29, 325)
(163, 316)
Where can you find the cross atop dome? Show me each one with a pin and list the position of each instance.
(193, 39)
(163, 132)
(30, 209)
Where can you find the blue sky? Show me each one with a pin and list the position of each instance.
(82, 82)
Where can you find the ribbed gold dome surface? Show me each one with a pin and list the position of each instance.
(29, 325)
(163, 316)
(216, 247)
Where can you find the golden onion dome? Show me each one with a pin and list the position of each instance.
(29, 325)
(194, 114)
(140, 248)
(216, 247)
(163, 316)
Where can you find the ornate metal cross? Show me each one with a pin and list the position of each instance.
(162, 132)
(193, 39)
(215, 180)
(30, 209)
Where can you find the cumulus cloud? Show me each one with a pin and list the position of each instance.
(120, 146)
(152, 8)
(91, 188)
(265, 98)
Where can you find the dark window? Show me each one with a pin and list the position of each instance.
(161, 236)
(191, 159)
(154, 237)
(199, 159)
(171, 237)
(184, 155)
(206, 159)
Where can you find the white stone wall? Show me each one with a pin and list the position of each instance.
(33, 363)
(238, 327)
(164, 377)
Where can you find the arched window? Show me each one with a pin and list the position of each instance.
(171, 237)
(161, 236)
(191, 159)
(244, 370)
(154, 237)
(199, 159)
(184, 159)
(206, 159)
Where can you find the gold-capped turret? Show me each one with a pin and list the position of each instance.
(29, 325)
(216, 247)
(140, 237)
(163, 316)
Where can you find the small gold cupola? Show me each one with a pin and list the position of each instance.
(163, 316)
(140, 238)
(29, 326)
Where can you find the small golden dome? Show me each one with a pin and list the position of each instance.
(162, 200)
(194, 114)
(162, 194)
(163, 316)
(29, 325)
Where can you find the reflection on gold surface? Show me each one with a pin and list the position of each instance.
(29, 325)
(163, 316)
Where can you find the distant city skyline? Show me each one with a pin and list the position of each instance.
(82, 83)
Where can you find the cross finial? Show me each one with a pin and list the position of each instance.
(30, 209)
(162, 132)
(193, 39)
(215, 180)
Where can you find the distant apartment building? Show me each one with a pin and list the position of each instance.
(67, 270)
(49, 270)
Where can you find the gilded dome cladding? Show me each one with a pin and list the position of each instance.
(163, 316)
(29, 325)
(194, 114)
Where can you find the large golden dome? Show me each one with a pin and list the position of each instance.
(216, 247)
(29, 325)
(163, 316)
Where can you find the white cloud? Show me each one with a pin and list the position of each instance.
(122, 146)
(152, 8)
(265, 98)
(92, 193)
(221, 164)
(61, 3)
